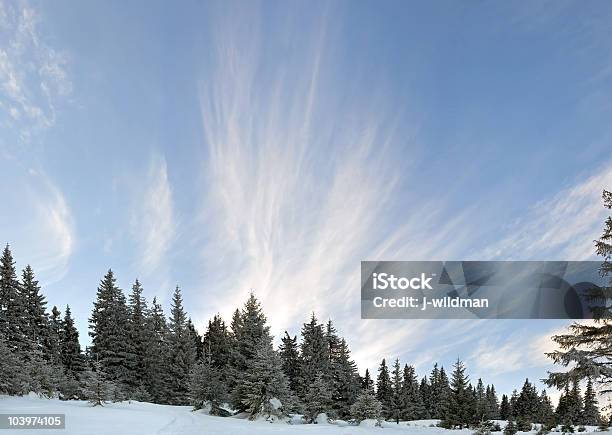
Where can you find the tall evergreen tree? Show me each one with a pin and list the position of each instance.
(459, 412)
(345, 379)
(157, 372)
(384, 389)
(315, 352)
(366, 382)
(504, 408)
(12, 306)
(318, 399)
(207, 387)
(290, 358)
(590, 414)
(110, 345)
(527, 403)
(585, 348)
(216, 343)
(545, 414)
(264, 390)
(138, 340)
(397, 398)
(413, 407)
(35, 306)
(72, 358)
(181, 352)
(492, 403)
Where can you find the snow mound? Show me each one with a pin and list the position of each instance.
(370, 422)
(322, 419)
(276, 404)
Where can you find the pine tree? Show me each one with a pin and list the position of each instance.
(314, 351)
(384, 390)
(318, 399)
(492, 403)
(413, 407)
(216, 343)
(545, 413)
(590, 414)
(585, 348)
(397, 398)
(52, 345)
(290, 358)
(366, 382)
(344, 379)
(527, 403)
(35, 314)
(11, 374)
(181, 352)
(366, 407)
(482, 406)
(459, 412)
(137, 342)
(157, 372)
(504, 408)
(249, 329)
(72, 358)
(206, 387)
(264, 383)
(12, 306)
(110, 346)
(196, 340)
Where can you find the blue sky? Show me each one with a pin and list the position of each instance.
(229, 146)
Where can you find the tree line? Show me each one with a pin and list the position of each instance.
(138, 353)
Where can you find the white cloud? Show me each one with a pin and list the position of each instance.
(42, 228)
(559, 228)
(152, 221)
(33, 75)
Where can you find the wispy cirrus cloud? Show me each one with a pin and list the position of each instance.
(41, 226)
(562, 227)
(33, 75)
(297, 195)
(152, 223)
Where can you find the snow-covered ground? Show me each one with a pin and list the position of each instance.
(137, 418)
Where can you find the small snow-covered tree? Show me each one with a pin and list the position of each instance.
(97, 389)
(207, 387)
(384, 390)
(262, 382)
(590, 412)
(366, 407)
(318, 399)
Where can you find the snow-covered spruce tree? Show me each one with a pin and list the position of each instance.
(436, 402)
(290, 357)
(216, 344)
(397, 399)
(413, 407)
(207, 387)
(527, 403)
(384, 390)
(196, 340)
(249, 329)
(97, 389)
(52, 344)
(107, 324)
(492, 403)
(367, 382)
(11, 371)
(366, 407)
(180, 351)
(264, 390)
(504, 408)
(12, 306)
(590, 412)
(157, 373)
(35, 304)
(425, 393)
(545, 412)
(345, 379)
(585, 348)
(137, 344)
(73, 360)
(315, 353)
(482, 406)
(459, 412)
(318, 398)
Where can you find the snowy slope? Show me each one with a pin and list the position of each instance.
(139, 418)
